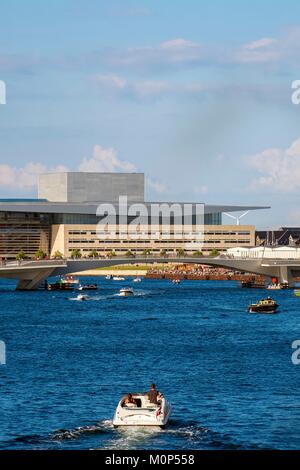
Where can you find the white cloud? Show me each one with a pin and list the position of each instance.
(25, 177)
(260, 43)
(102, 160)
(117, 86)
(113, 82)
(156, 185)
(176, 51)
(105, 160)
(279, 168)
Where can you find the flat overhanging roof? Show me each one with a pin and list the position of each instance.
(47, 207)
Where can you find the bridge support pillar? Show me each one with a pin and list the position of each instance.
(35, 280)
(286, 275)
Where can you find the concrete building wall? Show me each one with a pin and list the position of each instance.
(53, 187)
(84, 237)
(91, 187)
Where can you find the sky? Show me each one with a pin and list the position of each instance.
(196, 94)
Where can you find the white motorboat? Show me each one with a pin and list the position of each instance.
(176, 281)
(142, 413)
(274, 287)
(137, 279)
(82, 297)
(118, 278)
(109, 276)
(126, 292)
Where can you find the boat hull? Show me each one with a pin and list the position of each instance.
(256, 309)
(147, 416)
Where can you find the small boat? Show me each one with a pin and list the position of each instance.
(137, 279)
(264, 306)
(142, 413)
(176, 281)
(253, 285)
(126, 292)
(297, 292)
(64, 283)
(82, 297)
(118, 278)
(274, 287)
(88, 287)
(282, 285)
(109, 276)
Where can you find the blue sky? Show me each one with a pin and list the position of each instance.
(195, 94)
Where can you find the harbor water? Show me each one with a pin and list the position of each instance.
(228, 373)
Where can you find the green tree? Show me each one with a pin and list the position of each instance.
(58, 255)
(76, 253)
(21, 255)
(40, 254)
(129, 254)
(197, 254)
(111, 254)
(180, 252)
(93, 254)
(214, 252)
(146, 252)
(163, 253)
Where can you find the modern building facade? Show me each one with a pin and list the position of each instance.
(64, 218)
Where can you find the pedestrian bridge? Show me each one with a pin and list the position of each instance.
(30, 274)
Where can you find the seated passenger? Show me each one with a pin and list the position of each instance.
(129, 400)
(153, 394)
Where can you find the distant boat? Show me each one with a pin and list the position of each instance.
(82, 297)
(263, 306)
(176, 281)
(109, 276)
(281, 285)
(118, 278)
(126, 292)
(253, 285)
(274, 287)
(137, 279)
(297, 292)
(88, 287)
(64, 283)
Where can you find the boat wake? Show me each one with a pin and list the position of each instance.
(178, 435)
(99, 428)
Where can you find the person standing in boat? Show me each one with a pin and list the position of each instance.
(153, 394)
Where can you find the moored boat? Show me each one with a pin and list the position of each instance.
(278, 286)
(253, 285)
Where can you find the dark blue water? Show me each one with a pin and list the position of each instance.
(227, 373)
